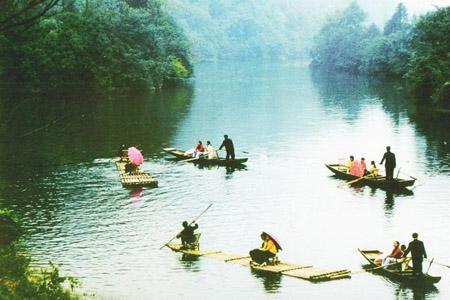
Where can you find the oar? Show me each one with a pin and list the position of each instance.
(429, 266)
(398, 172)
(355, 180)
(193, 221)
(441, 264)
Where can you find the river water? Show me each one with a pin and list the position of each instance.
(57, 175)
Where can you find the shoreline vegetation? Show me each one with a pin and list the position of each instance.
(131, 44)
(18, 280)
(414, 50)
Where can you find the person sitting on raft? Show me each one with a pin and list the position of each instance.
(262, 255)
(187, 234)
(373, 171)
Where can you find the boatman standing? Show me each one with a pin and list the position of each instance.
(390, 163)
(418, 253)
(229, 147)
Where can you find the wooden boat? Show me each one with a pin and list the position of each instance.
(395, 272)
(179, 154)
(380, 181)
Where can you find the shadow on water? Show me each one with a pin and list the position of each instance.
(49, 131)
(271, 281)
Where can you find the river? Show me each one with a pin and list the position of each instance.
(57, 175)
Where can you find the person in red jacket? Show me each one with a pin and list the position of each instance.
(396, 253)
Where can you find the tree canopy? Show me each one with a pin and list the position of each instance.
(107, 44)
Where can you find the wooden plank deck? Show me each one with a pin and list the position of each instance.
(138, 178)
(307, 272)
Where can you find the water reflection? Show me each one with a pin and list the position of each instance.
(271, 281)
(190, 262)
(402, 291)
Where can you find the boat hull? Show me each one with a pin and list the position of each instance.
(179, 154)
(396, 274)
(380, 181)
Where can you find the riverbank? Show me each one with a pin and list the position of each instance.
(18, 280)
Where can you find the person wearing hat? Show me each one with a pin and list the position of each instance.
(390, 163)
(418, 253)
(187, 234)
(229, 147)
(262, 255)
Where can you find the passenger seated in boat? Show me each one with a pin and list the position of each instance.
(355, 169)
(199, 149)
(187, 234)
(212, 153)
(396, 253)
(373, 171)
(404, 260)
(363, 166)
(262, 255)
(350, 163)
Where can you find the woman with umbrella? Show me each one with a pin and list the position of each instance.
(269, 249)
(135, 159)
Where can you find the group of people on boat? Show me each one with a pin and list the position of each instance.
(399, 254)
(359, 167)
(210, 152)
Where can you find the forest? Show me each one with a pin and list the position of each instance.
(91, 43)
(413, 49)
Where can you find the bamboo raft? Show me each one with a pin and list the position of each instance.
(137, 178)
(306, 272)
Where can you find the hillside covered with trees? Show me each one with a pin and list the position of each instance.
(94, 43)
(414, 49)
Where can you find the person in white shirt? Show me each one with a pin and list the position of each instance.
(212, 153)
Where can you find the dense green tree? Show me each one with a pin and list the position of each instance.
(14, 13)
(429, 71)
(388, 54)
(96, 43)
(341, 41)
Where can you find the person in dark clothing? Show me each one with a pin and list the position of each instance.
(187, 234)
(418, 253)
(390, 163)
(229, 147)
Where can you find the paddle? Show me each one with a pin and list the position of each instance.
(429, 266)
(193, 221)
(353, 181)
(441, 264)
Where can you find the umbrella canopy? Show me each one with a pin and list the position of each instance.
(135, 156)
(275, 241)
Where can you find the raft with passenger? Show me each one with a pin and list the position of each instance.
(395, 272)
(302, 271)
(135, 178)
(181, 155)
(378, 181)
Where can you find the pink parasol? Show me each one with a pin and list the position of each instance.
(275, 241)
(135, 156)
